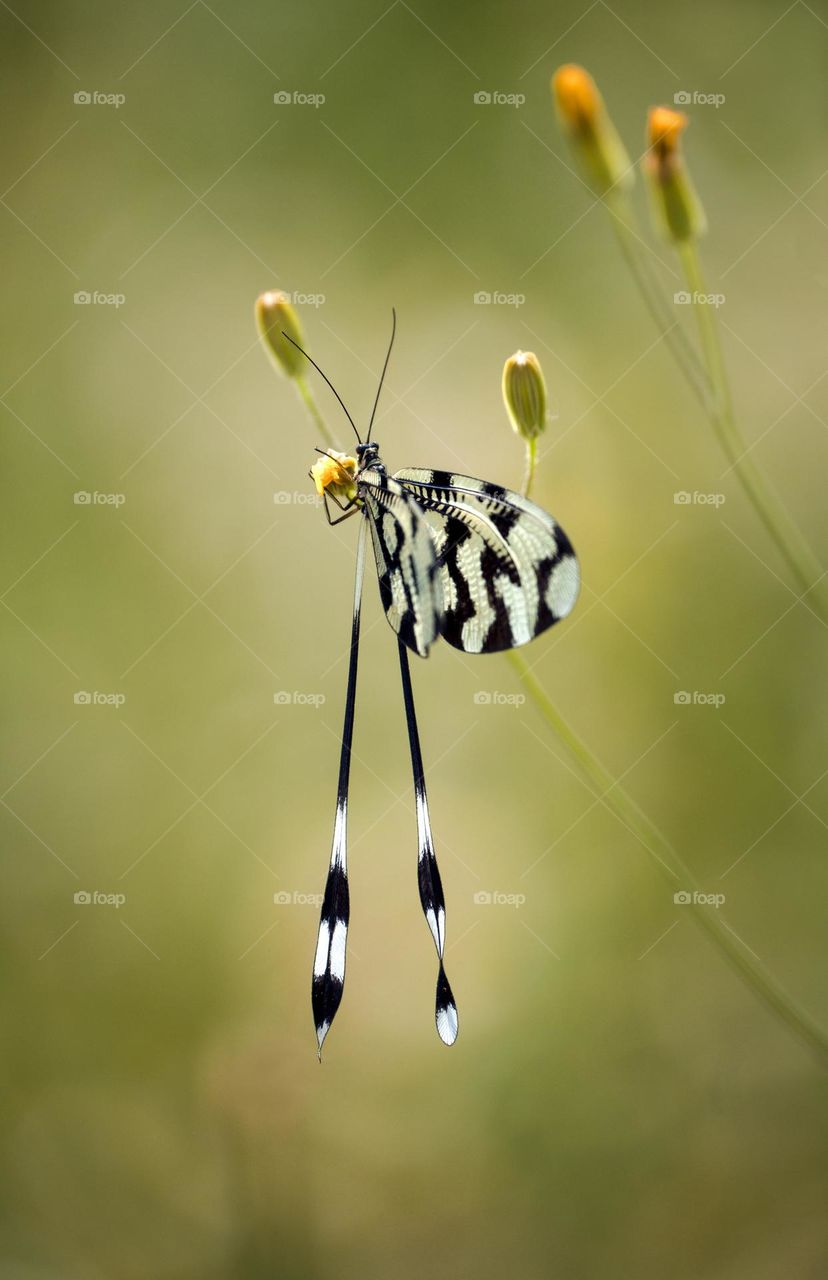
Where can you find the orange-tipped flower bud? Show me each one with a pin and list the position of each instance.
(594, 138)
(677, 210)
(275, 317)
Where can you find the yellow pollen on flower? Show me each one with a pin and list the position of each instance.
(335, 473)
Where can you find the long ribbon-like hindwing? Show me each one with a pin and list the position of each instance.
(329, 962)
(428, 873)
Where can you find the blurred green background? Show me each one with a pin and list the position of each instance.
(617, 1104)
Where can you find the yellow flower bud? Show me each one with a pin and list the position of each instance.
(594, 138)
(335, 473)
(275, 317)
(677, 210)
(524, 394)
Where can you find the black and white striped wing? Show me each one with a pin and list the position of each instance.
(508, 569)
(329, 961)
(410, 578)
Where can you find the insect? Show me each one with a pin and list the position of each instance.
(456, 557)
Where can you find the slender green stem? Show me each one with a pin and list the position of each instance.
(307, 398)
(708, 378)
(674, 870)
(631, 244)
(793, 548)
(672, 867)
(531, 464)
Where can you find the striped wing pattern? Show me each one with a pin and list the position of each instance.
(488, 570)
(329, 960)
(428, 872)
(410, 579)
(507, 569)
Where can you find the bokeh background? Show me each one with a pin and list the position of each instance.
(618, 1103)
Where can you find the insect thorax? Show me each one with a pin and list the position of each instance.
(368, 455)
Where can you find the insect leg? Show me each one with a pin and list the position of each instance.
(350, 510)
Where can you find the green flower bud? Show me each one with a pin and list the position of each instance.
(677, 210)
(276, 317)
(524, 394)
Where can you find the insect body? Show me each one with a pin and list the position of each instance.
(458, 558)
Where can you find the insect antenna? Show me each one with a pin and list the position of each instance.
(327, 379)
(384, 367)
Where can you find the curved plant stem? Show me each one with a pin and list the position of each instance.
(708, 379)
(677, 874)
(307, 398)
(531, 464)
(631, 244)
(793, 548)
(609, 792)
